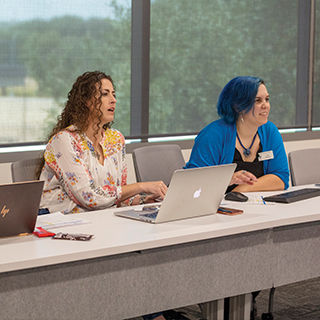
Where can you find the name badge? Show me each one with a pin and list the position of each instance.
(267, 155)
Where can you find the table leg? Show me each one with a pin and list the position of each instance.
(213, 310)
(240, 307)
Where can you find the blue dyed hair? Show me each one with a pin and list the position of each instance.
(238, 96)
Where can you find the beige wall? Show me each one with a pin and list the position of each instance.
(5, 171)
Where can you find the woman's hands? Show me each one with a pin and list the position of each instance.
(154, 189)
(268, 182)
(248, 182)
(243, 177)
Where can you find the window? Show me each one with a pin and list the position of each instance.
(316, 73)
(45, 46)
(200, 46)
(187, 51)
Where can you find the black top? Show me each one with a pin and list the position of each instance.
(255, 167)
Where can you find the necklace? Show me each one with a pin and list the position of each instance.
(97, 154)
(247, 151)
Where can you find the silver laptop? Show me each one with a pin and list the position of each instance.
(192, 193)
(19, 206)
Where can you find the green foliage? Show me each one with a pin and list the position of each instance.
(57, 51)
(199, 47)
(196, 48)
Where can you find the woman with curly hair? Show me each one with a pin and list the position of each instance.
(84, 164)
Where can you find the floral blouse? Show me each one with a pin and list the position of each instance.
(75, 181)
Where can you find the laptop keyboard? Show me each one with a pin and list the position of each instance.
(293, 196)
(152, 215)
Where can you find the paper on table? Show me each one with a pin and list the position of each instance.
(252, 199)
(256, 199)
(58, 219)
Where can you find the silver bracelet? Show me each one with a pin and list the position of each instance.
(142, 199)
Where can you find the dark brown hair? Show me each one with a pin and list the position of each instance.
(76, 111)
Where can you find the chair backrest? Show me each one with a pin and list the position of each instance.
(158, 162)
(304, 166)
(24, 170)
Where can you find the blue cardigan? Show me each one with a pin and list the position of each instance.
(215, 144)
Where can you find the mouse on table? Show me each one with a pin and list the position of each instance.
(236, 196)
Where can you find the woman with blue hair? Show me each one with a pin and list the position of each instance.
(244, 136)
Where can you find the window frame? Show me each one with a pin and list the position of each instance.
(140, 72)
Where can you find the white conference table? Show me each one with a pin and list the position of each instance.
(132, 268)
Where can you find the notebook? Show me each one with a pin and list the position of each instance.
(191, 193)
(19, 205)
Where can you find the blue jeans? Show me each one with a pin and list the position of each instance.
(152, 316)
(43, 211)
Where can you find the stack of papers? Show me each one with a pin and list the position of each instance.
(57, 220)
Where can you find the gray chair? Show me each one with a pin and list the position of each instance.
(304, 166)
(24, 170)
(158, 162)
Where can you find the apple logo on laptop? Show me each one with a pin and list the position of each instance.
(197, 193)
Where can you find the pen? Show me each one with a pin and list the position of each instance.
(263, 200)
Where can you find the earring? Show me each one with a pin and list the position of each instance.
(241, 119)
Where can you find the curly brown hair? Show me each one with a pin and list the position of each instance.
(76, 111)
